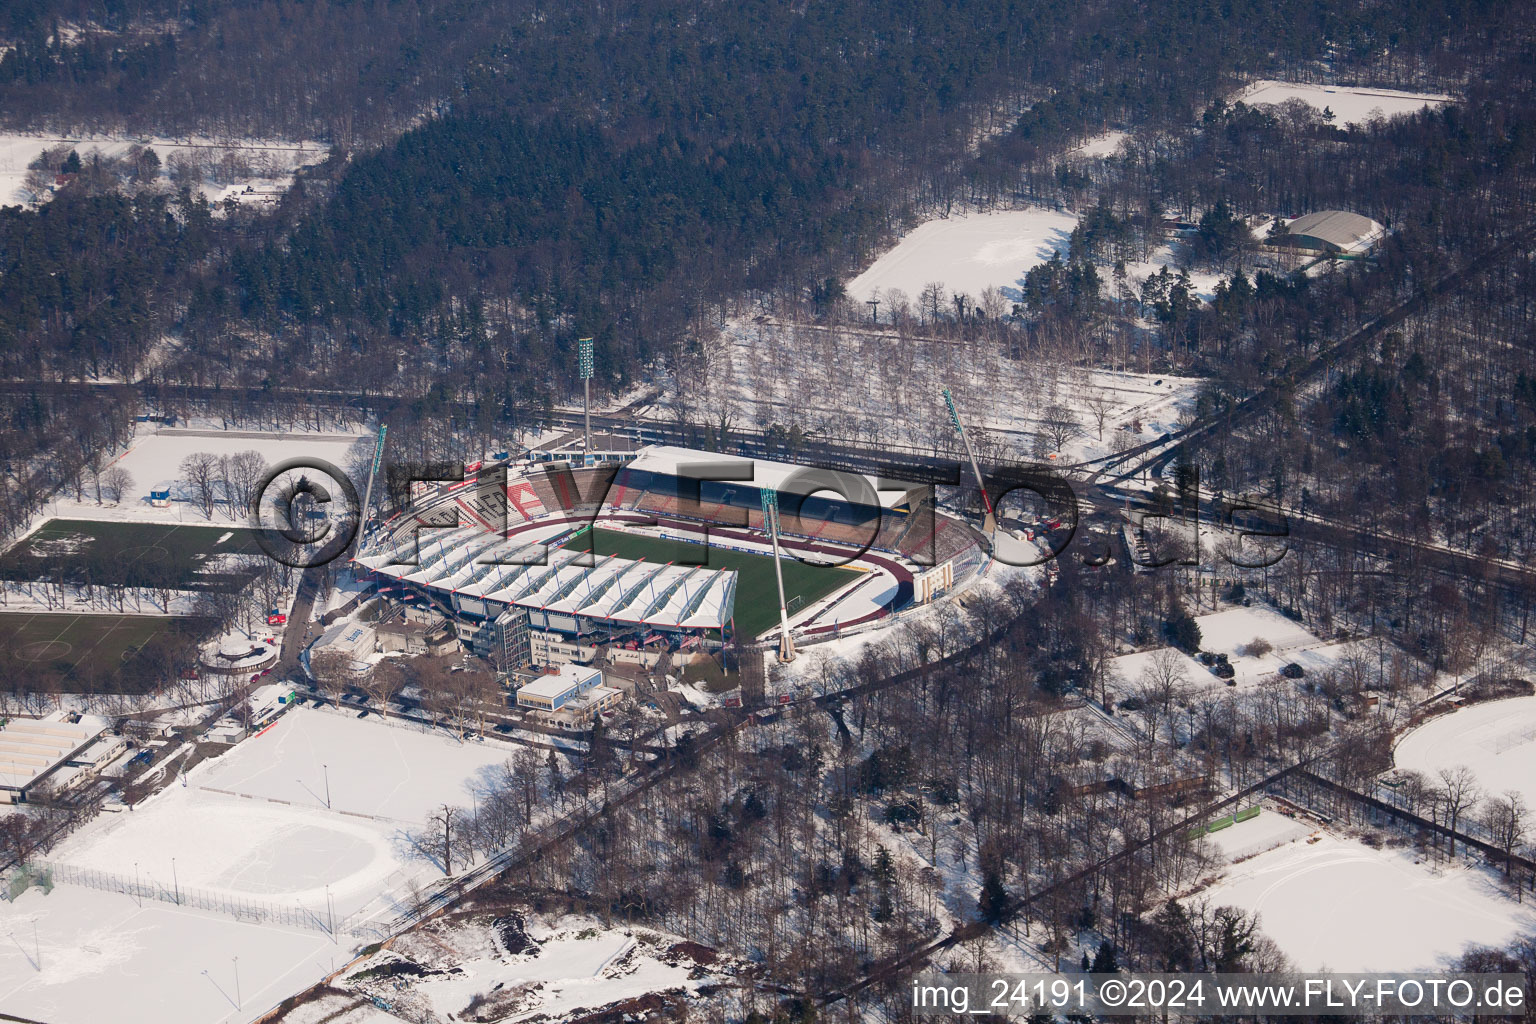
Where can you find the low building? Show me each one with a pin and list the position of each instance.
(572, 695)
(1335, 232)
(353, 639)
(32, 750)
(553, 691)
(415, 638)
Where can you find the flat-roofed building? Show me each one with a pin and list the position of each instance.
(33, 749)
(554, 691)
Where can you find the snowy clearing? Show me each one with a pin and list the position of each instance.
(969, 253)
(1107, 144)
(557, 969)
(1340, 905)
(1497, 740)
(1350, 105)
(228, 166)
(1231, 631)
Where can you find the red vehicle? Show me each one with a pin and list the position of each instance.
(732, 702)
(276, 618)
(786, 698)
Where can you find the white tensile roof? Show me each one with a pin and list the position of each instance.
(1347, 231)
(567, 581)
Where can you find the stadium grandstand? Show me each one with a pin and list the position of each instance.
(670, 542)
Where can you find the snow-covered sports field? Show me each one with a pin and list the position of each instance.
(969, 253)
(155, 457)
(99, 956)
(1339, 904)
(251, 827)
(1497, 740)
(1350, 105)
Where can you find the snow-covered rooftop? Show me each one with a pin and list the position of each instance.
(32, 747)
(567, 581)
(763, 474)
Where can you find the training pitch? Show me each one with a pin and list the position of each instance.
(132, 554)
(65, 650)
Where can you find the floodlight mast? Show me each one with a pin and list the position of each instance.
(989, 524)
(584, 350)
(373, 471)
(770, 500)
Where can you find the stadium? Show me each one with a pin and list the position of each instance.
(670, 544)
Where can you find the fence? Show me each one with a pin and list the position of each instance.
(1513, 739)
(312, 806)
(240, 908)
(1226, 821)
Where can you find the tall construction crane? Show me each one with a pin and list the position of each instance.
(989, 524)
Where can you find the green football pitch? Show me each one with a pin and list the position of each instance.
(63, 650)
(757, 594)
(133, 554)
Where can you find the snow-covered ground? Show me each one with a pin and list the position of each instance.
(1107, 144)
(855, 382)
(267, 166)
(971, 252)
(154, 458)
(1497, 740)
(106, 958)
(1350, 105)
(1338, 904)
(375, 767)
(251, 827)
(968, 254)
(1257, 835)
(1128, 670)
(558, 968)
(1232, 631)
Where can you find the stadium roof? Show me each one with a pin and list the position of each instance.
(1337, 229)
(666, 460)
(557, 580)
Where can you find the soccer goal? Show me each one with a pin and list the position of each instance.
(1516, 738)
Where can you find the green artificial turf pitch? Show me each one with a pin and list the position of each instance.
(134, 554)
(757, 594)
(53, 650)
